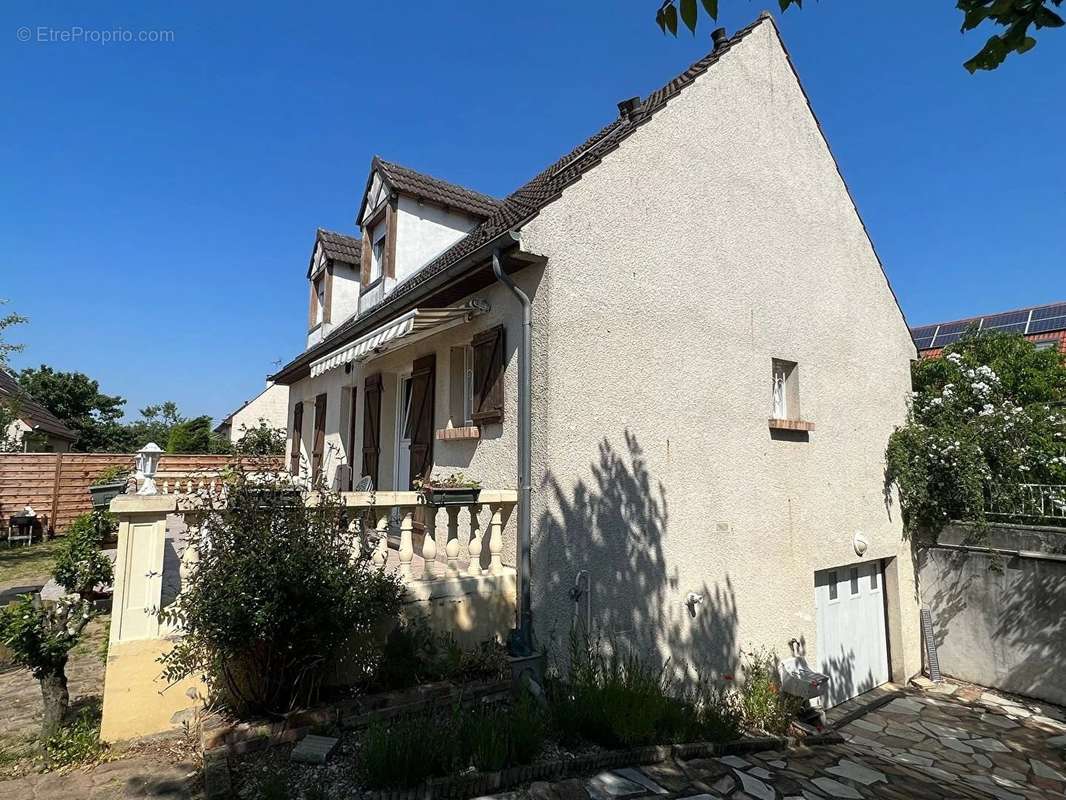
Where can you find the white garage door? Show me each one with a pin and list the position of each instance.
(852, 648)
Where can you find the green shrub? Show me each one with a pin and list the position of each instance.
(764, 705)
(414, 653)
(617, 700)
(407, 750)
(281, 593)
(80, 565)
(115, 474)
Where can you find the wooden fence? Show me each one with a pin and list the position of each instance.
(57, 484)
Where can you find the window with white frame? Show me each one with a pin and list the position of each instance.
(784, 390)
(461, 394)
(377, 252)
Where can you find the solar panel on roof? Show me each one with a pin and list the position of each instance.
(1045, 325)
(1010, 321)
(1048, 312)
(944, 339)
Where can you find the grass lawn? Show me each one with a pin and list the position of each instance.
(27, 562)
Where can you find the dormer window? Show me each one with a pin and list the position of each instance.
(377, 255)
(320, 298)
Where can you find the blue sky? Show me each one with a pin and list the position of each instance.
(159, 200)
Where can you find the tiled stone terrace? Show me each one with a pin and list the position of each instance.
(947, 742)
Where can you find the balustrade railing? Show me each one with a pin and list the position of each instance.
(473, 549)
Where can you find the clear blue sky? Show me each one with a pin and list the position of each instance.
(159, 200)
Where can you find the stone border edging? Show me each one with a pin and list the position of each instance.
(219, 736)
(460, 787)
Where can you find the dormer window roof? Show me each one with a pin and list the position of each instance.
(402, 180)
(335, 246)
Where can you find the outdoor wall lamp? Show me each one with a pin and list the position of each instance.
(147, 464)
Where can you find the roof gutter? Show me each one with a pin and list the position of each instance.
(521, 643)
(297, 370)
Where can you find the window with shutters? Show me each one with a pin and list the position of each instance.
(487, 351)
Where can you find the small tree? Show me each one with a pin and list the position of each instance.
(987, 416)
(41, 636)
(279, 592)
(261, 440)
(80, 565)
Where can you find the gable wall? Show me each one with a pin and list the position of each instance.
(717, 237)
(423, 232)
(271, 405)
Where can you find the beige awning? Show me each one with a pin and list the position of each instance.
(410, 327)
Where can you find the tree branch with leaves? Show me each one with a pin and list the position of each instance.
(1017, 18)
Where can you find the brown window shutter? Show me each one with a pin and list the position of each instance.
(389, 270)
(327, 276)
(372, 426)
(420, 420)
(365, 250)
(297, 436)
(352, 479)
(319, 441)
(488, 375)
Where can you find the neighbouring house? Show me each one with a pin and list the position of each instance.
(270, 406)
(36, 429)
(1045, 326)
(717, 363)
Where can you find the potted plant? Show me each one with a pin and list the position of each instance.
(108, 485)
(454, 490)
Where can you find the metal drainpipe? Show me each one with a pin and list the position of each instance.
(522, 641)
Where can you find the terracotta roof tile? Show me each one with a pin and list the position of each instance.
(340, 246)
(435, 190)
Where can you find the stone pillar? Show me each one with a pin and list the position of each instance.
(138, 586)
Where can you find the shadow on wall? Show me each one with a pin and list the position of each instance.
(999, 621)
(844, 683)
(615, 526)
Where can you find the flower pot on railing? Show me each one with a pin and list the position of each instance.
(104, 493)
(454, 490)
(449, 495)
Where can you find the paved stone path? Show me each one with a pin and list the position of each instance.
(142, 776)
(950, 743)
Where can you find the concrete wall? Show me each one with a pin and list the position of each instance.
(1000, 620)
(271, 405)
(716, 238)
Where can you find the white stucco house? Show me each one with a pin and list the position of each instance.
(35, 428)
(717, 362)
(270, 407)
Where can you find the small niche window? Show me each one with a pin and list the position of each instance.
(784, 390)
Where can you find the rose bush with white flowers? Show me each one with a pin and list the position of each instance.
(988, 415)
